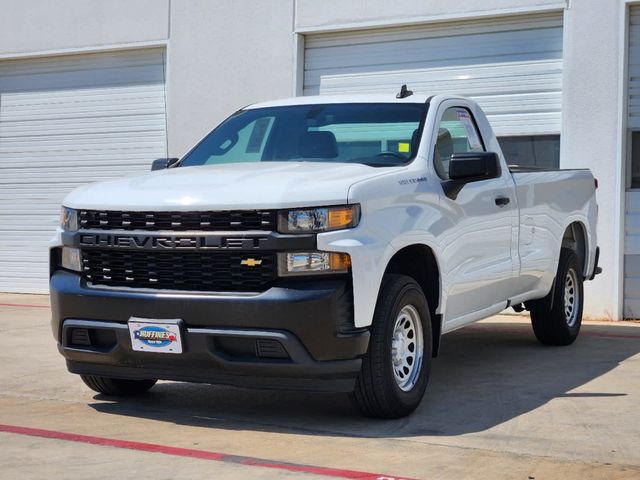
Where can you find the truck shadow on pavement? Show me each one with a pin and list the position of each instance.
(486, 374)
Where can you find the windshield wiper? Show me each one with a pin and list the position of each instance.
(379, 164)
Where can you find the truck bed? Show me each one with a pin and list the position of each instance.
(531, 169)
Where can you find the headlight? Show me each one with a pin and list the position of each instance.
(69, 219)
(312, 220)
(305, 263)
(71, 259)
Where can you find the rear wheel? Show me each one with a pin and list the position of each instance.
(556, 318)
(395, 370)
(117, 386)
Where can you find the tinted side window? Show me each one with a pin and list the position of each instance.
(457, 133)
(532, 150)
(635, 160)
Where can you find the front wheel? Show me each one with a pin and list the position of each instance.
(556, 318)
(395, 370)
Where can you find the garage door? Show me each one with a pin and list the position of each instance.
(512, 67)
(64, 122)
(632, 216)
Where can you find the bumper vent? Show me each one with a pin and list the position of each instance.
(96, 339)
(241, 220)
(80, 336)
(250, 349)
(189, 271)
(270, 349)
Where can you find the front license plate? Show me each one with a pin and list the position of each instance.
(151, 335)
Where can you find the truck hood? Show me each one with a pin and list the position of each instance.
(227, 187)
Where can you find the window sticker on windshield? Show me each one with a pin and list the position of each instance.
(403, 147)
(472, 134)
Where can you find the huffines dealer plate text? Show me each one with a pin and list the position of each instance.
(155, 335)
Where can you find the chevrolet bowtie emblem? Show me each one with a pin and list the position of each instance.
(251, 262)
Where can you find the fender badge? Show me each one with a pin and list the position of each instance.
(408, 181)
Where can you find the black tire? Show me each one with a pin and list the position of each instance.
(552, 325)
(377, 392)
(117, 386)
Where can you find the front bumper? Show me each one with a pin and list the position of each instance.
(298, 336)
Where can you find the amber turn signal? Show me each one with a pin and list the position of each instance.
(340, 261)
(340, 218)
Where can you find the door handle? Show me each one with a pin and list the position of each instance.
(502, 201)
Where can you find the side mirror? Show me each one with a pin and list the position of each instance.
(162, 163)
(474, 166)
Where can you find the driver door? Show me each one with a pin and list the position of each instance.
(477, 242)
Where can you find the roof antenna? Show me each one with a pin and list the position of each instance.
(404, 93)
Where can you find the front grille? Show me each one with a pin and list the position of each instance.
(240, 220)
(192, 271)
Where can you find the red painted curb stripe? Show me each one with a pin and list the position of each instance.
(22, 305)
(192, 453)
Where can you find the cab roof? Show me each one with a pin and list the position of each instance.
(350, 98)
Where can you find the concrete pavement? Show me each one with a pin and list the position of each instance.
(498, 406)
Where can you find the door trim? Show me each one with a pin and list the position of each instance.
(417, 20)
(89, 49)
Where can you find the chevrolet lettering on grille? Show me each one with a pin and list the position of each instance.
(164, 242)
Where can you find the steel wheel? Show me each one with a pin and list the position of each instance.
(395, 369)
(407, 348)
(556, 318)
(571, 298)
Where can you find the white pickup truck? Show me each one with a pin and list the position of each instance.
(318, 243)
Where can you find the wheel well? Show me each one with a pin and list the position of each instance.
(419, 262)
(575, 238)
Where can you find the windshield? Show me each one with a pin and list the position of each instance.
(377, 134)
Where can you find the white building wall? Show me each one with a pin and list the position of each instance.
(590, 131)
(28, 26)
(223, 55)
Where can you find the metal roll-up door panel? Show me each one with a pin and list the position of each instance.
(64, 122)
(632, 197)
(511, 66)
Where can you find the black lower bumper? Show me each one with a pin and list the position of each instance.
(292, 337)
